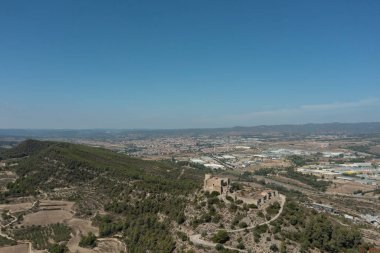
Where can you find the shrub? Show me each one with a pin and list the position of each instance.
(273, 248)
(181, 219)
(219, 247)
(229, 198)
(212, 194)
(58, 248)
(257, 231)
(233, 207)
(212, 201)
(243, 224)
(221, 236)
(240, 246)
(88, 241)
(206, 217)
(182, 236)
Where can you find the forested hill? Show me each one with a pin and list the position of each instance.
(132, 191)
(56, 164)
(25, 148)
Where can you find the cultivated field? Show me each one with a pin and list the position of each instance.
(21, 248)
(50, 212)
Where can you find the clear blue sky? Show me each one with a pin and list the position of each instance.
(184, 64)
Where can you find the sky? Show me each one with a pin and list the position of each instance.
(188, 64)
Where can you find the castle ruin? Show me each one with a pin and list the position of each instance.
(217, 184)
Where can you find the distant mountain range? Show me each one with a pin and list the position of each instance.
(263, 130)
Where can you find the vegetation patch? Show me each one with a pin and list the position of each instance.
(6, 242)
(41, 236)
(273, 209)
(88, 241)
(220, 237)
(311, 180)
(314, 230)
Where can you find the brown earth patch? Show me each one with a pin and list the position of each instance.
(21, 248)
(46, 217)
(346, 187)
(17, 207)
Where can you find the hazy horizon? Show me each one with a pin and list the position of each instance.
(195, 128)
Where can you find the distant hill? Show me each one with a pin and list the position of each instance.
(264, 130)
(25, 148)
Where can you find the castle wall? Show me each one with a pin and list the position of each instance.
(220, 185)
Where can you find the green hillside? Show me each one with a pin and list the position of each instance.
(25, 148)
(134, 191)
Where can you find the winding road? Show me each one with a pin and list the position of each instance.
(196, 239)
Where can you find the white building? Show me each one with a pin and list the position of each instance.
(214, 166)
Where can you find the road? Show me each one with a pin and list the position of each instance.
(196, 239)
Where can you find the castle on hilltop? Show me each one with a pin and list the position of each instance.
(258, 197)
(217, 184)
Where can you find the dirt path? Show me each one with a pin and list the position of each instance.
(196, 239)
(7, 225)
(15, 219)
(180, 175)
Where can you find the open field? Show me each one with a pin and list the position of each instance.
(21, 248)
(375, 150)
(19, 207)
(50, 212)
(346, 187)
